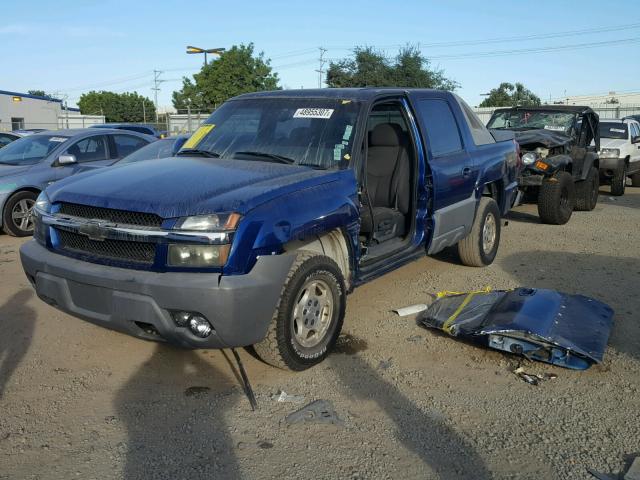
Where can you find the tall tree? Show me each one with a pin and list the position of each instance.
(117, 107)
(371, 68)
(237, 70)
(509, 95)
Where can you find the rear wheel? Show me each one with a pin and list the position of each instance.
(480, 247)
(619, 181)
(556, 199)
(635, 180)
(309, 316)
(17, 217)
(587, 191)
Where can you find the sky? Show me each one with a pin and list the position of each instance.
(70, 47)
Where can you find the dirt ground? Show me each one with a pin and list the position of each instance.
(78, 401)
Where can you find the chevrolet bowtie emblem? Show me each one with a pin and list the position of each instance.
(94, 230)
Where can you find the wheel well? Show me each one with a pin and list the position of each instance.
(332, 244)
(495, 191)
(27, 189)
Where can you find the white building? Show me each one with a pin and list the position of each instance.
(22, 110)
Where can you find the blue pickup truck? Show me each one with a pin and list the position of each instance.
(275, 209)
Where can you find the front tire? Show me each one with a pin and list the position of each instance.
(309, 315)
(635, 180)
(17, 219)
(556, 199)
(480, 247)
(619, 181)
(587, 191)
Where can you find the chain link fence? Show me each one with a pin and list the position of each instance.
(605, 111)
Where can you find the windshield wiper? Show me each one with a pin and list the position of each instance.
(187, 152)
(270, 156)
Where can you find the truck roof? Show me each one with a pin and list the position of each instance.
(364, 93)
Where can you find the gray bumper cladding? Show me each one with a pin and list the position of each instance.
(239, 307)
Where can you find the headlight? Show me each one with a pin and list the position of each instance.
(529, 158)
(209, 223)
(610, 153)
(42, 203)
(198, 256)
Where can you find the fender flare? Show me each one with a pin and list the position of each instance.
(591, 159)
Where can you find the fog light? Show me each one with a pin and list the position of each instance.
(199, 326)
(181, 318)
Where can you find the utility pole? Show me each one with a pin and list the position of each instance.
(156, 81)
(322, 61)
(144, 113)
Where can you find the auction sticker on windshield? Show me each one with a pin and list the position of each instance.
(313, 113)
(58, 139)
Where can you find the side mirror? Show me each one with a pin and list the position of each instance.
(67, 159)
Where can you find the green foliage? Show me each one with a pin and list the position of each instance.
(510, 95)
(234, 72)
(370, 68)
(37, 93)
(117, 107)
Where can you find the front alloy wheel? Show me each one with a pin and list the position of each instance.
(18, 214)
(309, 315)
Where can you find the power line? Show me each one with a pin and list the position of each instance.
(498, 53)
(156, 81)
(320, 69)
(520, 38)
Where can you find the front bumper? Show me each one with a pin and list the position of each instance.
(239, 307)
(608, 166)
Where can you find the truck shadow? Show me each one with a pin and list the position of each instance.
(426, 435)
(17, 324)
(174, 412)
(606, 278)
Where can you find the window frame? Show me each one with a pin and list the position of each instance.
(106, 147)
(426, 128)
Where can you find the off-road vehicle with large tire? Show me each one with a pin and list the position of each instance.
(559, 145)
(272, 212)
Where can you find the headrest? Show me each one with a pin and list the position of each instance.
(386, 135)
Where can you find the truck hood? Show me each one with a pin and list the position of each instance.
(548, 138)
(611, 143)
(11, 170)
(181, 186)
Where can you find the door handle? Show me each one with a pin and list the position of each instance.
(466, 171)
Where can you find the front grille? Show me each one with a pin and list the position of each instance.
(120, 217)
(122, 250)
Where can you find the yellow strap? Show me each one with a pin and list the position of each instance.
(447, 325)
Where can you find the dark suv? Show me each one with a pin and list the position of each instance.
(559, 145)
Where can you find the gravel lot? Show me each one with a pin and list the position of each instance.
(77, 401)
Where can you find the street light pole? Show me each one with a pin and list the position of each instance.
(196, 50)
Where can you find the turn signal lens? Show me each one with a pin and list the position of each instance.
(541, 165)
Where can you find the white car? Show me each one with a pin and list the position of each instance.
(619, 153)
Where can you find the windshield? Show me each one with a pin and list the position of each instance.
(158, 149)
(532, 119)
(30, 150)
(316, 132)
(614, 130)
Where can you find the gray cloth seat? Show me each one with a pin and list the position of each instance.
(388, 183)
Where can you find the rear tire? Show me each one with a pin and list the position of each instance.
(309, 315)
(17, 218)
(587, 191)
(556, 199)
(635, 180)
(619, 181)
(480, 247)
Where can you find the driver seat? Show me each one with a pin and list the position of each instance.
(388, 183)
